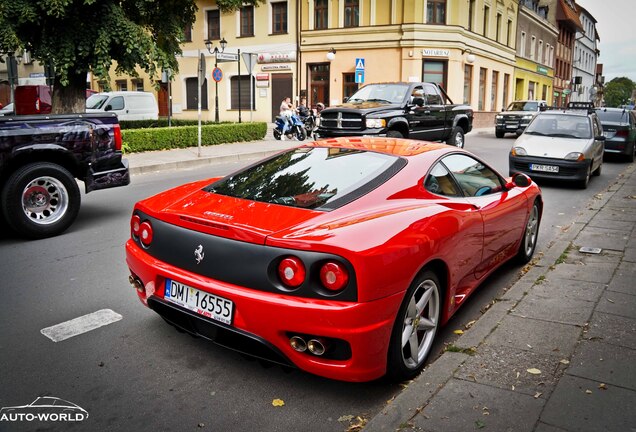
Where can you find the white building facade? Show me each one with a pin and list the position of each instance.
(584, 59)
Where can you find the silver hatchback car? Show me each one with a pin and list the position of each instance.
(563, 145)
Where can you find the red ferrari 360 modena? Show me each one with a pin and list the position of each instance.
(341, 257)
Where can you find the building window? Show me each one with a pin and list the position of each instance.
(192, 94)
(244, 99)
(509, 33)
(504, 99)
(468, 83)
(279, 18)
(121, 85)
(138, 84)
(533, 47)
(352, 13)
(544, 94)
(434, 71)
(471, 14)
(522, 45)
(531, 90)
(214, 24)
(540, 53)
(482, 89)
(247, 21)
(321, 14)
(436, 12)
(187, 34)
(486, 20)
(349, 85)
(498, 35)
(493, 90)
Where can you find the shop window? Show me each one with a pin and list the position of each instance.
(435, 71)
(468, 83)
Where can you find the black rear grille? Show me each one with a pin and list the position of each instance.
(218, 333)
(341, 120)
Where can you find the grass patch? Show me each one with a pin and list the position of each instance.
(454, 348)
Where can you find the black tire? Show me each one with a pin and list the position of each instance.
(300, 133)
(277, 134)
(394, 134)
(499, 133)
(456, 137)
(422, 304)
(598, 170)
(40, 200)
(530, 235)
(586, 180)
(630, 156)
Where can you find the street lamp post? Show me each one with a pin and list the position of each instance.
(208, 45)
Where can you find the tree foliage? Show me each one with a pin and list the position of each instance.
(227, 6)
(78, 36)
(618, 91)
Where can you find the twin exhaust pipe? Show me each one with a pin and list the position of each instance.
(316, 346)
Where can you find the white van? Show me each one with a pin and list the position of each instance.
(128, 105)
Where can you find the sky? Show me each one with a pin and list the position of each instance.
(615, 25)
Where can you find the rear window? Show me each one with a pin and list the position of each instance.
(313, 178)
(613, 116)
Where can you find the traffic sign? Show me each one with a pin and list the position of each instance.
(359, 76)
(360, 63)
(249, 59)
(217, 74)
(225, 57)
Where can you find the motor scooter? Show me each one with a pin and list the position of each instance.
(289, 127)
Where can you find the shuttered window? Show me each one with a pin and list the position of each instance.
(192, 94)
(245, 93)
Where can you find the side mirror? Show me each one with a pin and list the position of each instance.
(519, 180)
(108, 107)
(345, 100)
(418, 101)
(543, 108)
(600, 138)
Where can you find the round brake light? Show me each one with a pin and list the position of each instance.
(334, 276)
(135, 225)
(291, 271)
(145, 233)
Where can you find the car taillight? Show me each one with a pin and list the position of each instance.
(334, 276)
(117, 132)
(291, 271)
(622, 133)
(145, 233)
(135, 225)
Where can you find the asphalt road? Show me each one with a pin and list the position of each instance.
(139, 373)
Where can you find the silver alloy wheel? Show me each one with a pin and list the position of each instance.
(45, 200)
(532, 228)
(459, 139)
(420, 323)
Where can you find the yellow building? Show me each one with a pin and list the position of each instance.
(467, 46)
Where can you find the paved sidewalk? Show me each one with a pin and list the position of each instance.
(556, 353)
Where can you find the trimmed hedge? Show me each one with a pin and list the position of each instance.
(138, 140)
(162, 122)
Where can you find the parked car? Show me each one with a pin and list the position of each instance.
(40, 159)
(342, 257)
(128, 105)
(8, 109)
(413, 110)
(564, 145)
(619, 128)
(517, 116)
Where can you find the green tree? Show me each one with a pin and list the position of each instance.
(77, 36)
(618, 91)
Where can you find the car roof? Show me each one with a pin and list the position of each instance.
(611, 109)
(567, 112)
(396, 147)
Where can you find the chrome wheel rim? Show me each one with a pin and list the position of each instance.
(45, 200)
(420, 324)
(532, 228)
(459, 140)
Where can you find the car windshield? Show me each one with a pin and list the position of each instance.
(387, 93)
(562, 126)
(96, 101)
(523, 106)
(307, 177)
(618, 116)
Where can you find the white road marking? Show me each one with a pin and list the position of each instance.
(83, 324)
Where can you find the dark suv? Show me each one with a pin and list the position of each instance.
(619, 128)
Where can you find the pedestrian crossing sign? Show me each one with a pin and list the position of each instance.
(359, 64)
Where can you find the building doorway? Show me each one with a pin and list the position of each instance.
(318, 84)
(282, 87)
(163, 100)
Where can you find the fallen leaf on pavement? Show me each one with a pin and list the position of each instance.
(565, 362)
(345, 418)
(459, 332)
(469, 324)
(610, 300)
(278, 402)
(602, 386)
(588, 391)
(534, 371)
(537, 395)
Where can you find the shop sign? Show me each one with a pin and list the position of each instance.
(542, 70)
(435, 52)
(277, 57)
(275, 67)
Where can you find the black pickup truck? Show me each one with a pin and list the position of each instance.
(40, 158)
(401, 110)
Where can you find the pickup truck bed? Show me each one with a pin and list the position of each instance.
(40, 158)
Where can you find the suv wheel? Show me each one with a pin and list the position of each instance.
(394, 134)
(457, 137)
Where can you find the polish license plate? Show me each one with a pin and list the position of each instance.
(206, 304)
(544, 168)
